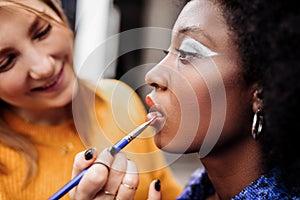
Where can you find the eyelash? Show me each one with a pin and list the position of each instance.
(186, 57)
(9, 62)
(43, 33)
(166, 52)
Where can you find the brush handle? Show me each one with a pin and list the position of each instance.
(66, 188)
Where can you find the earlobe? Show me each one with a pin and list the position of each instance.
(257, 100)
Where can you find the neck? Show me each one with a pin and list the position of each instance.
(51, 116)
(234, 168)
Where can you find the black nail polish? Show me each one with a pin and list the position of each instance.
(88, 155)
(157, 185)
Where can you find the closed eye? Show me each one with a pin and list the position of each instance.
(43, 33)
(186, 57)
(186, 54)
(191, 49)
(7, 62)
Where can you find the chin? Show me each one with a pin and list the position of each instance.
(171, 146)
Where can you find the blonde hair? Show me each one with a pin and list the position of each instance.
(17, 141)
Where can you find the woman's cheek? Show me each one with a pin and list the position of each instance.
(63, 38)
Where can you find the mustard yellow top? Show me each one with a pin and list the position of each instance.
(57, 146)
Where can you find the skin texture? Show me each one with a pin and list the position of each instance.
(183, 87)
(27, 66)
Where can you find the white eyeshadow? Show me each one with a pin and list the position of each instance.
(193, 46)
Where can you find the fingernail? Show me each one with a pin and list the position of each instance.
(88, 155)
(157, 185)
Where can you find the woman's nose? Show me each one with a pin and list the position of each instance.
(41, 66)
(158, 77)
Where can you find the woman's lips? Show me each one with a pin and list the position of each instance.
(149, 101)
(155, 115)
(155, 111)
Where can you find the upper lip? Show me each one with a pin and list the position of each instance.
(154, 106)
(149, 101)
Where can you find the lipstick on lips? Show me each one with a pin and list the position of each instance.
(155, 111)
(149, 101)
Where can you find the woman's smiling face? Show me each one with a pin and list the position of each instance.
(198, 86)
(36, 67)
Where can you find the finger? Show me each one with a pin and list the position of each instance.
(116, 174)
(154, 190)
(95, 178)
(83, 159)
(129, 183)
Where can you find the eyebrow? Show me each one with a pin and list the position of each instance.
(33, 25)
(196, 30)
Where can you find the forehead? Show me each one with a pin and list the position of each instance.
(200, 13)
(204, 21)
(27, 6)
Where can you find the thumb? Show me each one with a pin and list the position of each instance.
(154, 190)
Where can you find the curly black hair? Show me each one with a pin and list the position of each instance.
(267, 36)
(282, 88)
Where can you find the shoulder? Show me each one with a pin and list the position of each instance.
(109, 89)
(121, 99)
(198, 187)
(268, 186)
(112, 84)
(113, 88)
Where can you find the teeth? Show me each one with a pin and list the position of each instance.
(51, 83)
(157, 114)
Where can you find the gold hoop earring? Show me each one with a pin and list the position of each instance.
(257, 124)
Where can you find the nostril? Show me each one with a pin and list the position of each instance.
(158, 86)
(163, 88)
(155, 85)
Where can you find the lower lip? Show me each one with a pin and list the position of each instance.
(58, 83)
(158, 122)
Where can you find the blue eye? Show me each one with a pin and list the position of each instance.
(43, 33)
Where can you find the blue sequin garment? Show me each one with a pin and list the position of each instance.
(267, 187)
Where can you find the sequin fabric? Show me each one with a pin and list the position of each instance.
(267, 187)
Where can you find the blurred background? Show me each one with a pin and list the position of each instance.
(111, 41)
